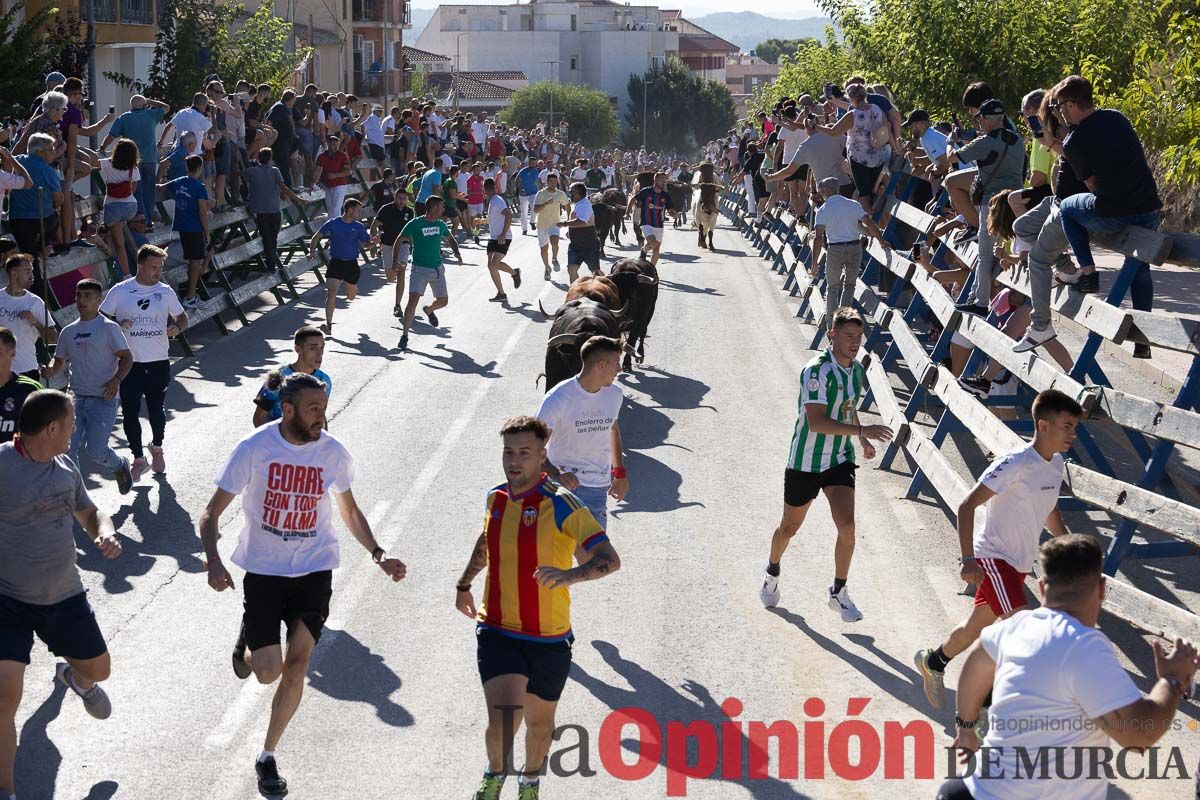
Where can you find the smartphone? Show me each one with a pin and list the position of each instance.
(828, 90)
(112, 109)
(954, 119)
(1035, 124)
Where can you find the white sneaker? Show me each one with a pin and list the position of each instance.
(1034, 338)
(842, 604)
(769, 593)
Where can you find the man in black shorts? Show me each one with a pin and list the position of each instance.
(524, 657)
(40, 590)
(346, 237)
(285, 472)
(389, 221)
(499, 217)
(583, 245)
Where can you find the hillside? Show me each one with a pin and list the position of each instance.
(747, 29)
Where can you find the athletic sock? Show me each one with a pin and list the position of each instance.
(524, 781)
(773, 568)
(938, 660)
(265, 754)
(838, 585)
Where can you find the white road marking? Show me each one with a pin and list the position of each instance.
(247, 715)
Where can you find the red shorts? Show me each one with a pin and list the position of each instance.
(1003, 587)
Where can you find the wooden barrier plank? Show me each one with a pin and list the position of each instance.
(1185, 249)
(945, 481)
(1155, 419)
(1027, 367)
(1140, 505)
(1161, 329)
(74, 259)
(1141, 243)
(985, 426)
(1151, 614)
(911, 216)
(1091, 312)
(911, 350)
(885, 400)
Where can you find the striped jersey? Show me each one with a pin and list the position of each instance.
(539, 528)
(839, 389)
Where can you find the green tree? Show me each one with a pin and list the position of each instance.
(681, 110)
(772, 49)
(257, 50)
(418, 83)
(590, 115)
(24, 42)
(807, 70)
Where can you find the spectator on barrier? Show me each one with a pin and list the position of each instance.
(1051, 666)
(12, 174)
(121, 175)
(46, 121)
(333, 170)
(1041, 160)
(256, 111)
(266, 185)
(958, 183)
(175, 162)
(1105, 153)
(1040, 231)
(191, 223)
(929, 154)
(79, 161)
(33, 212)
(862, 125)
(140, 124)
(220, 110)
(838, 224)
(1000, 159)
(193, 119)
(280, 120)
(751, 176)
(825, 157)
(306, 115)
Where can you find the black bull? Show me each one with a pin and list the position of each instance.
(609, 208)
(575, 323)
(637, 283)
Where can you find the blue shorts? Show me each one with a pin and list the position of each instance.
(67, 627)
(596, 500)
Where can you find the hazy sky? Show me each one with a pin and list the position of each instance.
(789, 9)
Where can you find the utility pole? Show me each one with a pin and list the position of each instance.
(550, 69)
(387, 56)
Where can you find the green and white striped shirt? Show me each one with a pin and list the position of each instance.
(839, 389)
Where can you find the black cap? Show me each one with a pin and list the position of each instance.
(916, 115)
(992, 108)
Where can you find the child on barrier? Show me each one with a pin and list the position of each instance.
(1018, 496)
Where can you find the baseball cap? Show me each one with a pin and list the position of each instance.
(56, 77)
(916, 115)
(992, 108)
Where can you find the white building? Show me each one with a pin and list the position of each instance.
(598, 43)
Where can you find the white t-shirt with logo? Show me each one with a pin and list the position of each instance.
(1054, 677)
(25, 333)
(495, 213)
(288, 518)
(581, 424)
(148, 311)
(1009, 525)
(792, 138)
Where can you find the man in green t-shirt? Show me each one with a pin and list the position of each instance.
(425, 235)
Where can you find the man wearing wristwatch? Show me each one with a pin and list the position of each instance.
(1060, 692)
(585, 440)
(285, 472)
(531, 529)
(1017, 496)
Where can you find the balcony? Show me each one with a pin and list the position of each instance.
(129, 12)
(399, 12)
(372, 84)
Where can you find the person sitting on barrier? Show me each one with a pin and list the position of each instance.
(1011, 311)
(1041, 159)
(864, 127)
(838, 224)
(1018, 496)
(958, 182)
(1106, 154)
(929, 155)
(1000, 159)
(1060, 691)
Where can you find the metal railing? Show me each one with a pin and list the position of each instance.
(137, 12)
(101, 10)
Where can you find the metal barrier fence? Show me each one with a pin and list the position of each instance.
(910, 297)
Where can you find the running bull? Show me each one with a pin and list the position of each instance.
(609, 207)
(575, 323)
(637, 283)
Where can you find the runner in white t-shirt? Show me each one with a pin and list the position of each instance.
(150, 313)
(585, 452)
(1059, 692)
(285, 472)
(999, 547)
(23, 313)
(499, 218)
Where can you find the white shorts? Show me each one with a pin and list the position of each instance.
(475, 209)
(651, 232)
(544, 235)
(388, 251)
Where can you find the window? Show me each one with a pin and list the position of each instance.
(573, 24)
(573, 62)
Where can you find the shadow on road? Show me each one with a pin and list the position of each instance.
(671, 286)
(656, 486)
(669, 390)
(38, 758)
(693, 704)
(350, 671)
(458, 362)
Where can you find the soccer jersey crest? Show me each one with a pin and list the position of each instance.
(529, 516)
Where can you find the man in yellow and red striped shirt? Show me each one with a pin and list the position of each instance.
(530, 534)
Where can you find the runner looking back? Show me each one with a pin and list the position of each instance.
(309, 344)
(523, 633)
(821, 457)
(285, 472)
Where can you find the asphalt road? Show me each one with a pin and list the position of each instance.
(393, 707)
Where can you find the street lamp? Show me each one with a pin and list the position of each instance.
(550, 69)
(457, 68)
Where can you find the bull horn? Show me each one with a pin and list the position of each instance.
(562, 338)
(620, 312)
(649, 279)
(546, 317)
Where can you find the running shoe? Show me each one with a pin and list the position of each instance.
(124, 477)
(95, 701)
(842, 604)
(404, 341)
(397, 311)
(517, 278)
(1034, 338)
(935, 688)
(138, 468)
(269, 782)
(966, 235)
(1068, 278)
(158, 462)
(240, 667)
(1088, 283)
(554, 261)
(546, 274)
(429, 315)
(769, 593)
(980, 387)
(529, 791)
(972, 308)
(191, 303)
(327, 328)
(489, 788)
(500, 298)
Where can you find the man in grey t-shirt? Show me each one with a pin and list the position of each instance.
(40, 589)
(100, 358)
(265, 183)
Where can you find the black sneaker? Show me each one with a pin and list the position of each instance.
(516, 279)
(1141, 351)
(269, 782)
(980, 387)
(972, 308)
(1088, 283)
(500, 298)
(966, 235)
(240, 667)
(397, 311)
(432, 317)
(404, 341)
(124, 477)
